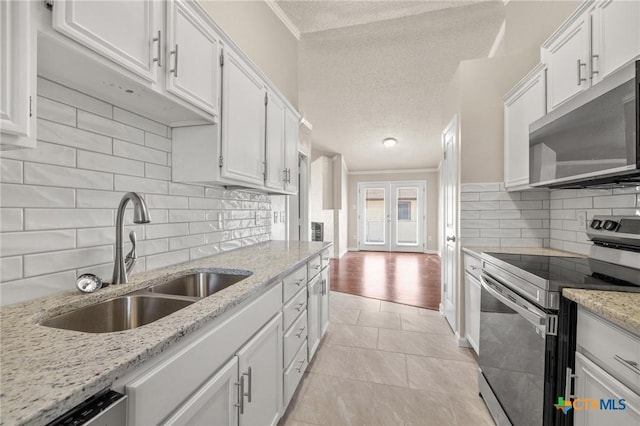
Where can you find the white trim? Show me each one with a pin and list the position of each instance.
(284, 18)
(388, 172)
(462, 342)
(353, 249)
(499, 38)
(306, 123)
(343, 253)
(429, 251)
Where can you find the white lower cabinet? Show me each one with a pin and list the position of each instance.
(325, 286)
(313, 315)
(472, 290)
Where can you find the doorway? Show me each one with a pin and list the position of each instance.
(391, 216)
(450, 207)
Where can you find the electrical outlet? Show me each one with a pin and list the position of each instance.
(582, 220)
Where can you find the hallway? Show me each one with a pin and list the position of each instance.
(405, 278)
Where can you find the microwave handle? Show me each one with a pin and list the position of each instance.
(538, 321)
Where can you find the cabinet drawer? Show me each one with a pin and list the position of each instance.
(294, 373)
(294, 337)
(472, 265)
(315, 264)
(293, 282)
(294, 307)
(611, 346)
(325, 258)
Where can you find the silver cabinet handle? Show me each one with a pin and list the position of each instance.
(579, 68)
(299, 335)
(299, 369)
(593, 68)
(248, 394)
(240, 403)
(159, 40)
(175, 62)
(324, 286)
(631, 365)
(299, 306)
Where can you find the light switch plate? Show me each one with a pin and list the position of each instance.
(581, 216)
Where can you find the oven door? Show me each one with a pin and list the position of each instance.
(517, 353)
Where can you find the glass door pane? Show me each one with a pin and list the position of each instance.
(406, 216)
(375, 216)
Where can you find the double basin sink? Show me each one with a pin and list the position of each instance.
(147, 305)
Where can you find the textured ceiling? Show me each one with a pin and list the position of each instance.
(363, 83)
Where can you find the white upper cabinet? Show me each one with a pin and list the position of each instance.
(193, 57)
(126, 32)
(292, 129)
(597, 39)
(17, 75)
(523, 105)
(615, 36)
(566, 55)
(243, 122)
(275, 143)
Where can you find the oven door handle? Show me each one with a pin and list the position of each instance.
(537, 320)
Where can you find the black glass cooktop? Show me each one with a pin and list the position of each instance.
(572, 271)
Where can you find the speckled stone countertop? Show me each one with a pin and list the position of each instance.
(47, 371)
(618, 307)
(476, 251)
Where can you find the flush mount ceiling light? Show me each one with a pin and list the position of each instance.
(390, 142)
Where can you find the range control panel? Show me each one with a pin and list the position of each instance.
(615, 229)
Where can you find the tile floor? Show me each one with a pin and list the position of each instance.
(383, 363)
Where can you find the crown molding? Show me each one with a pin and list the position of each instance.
(284, 18)
(389, 172)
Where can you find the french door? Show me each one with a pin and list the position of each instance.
(391, 216)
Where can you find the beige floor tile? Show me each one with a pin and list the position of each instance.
(429, 312)
(401, 406)
(344, 300)
(399, 308)
(352, 335)
(361, 364)
(380, 319)
(425, 344)
(292, 422)
(425, 324)
(335, 401)
(341, 315)
(470, 411)
(442, 375)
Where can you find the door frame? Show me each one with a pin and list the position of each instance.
(299, 227)
(390, 232)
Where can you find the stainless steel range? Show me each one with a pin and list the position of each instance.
(527, 330)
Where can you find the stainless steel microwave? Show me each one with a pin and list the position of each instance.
(591, 140)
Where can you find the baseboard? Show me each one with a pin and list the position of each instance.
(462, 341)
(353, 249)
(343, 252)
(432, 252)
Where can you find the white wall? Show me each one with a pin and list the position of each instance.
(59, 200)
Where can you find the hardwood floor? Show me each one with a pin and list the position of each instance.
(406, 278)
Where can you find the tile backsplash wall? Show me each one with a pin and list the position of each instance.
(58, 202)
(492, 217)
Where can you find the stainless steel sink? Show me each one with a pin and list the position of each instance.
(121, 313)
(200, 284)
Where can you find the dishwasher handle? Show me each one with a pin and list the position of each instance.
(538, 319)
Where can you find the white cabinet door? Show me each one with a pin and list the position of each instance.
(567, 58)
(291, 152)
(522, 106)
(243, 122)
(193, 57)
(472, 310)
(313, 316)
(126, 32)
(17, 75)
(593, 383)
(275, 142)
(325, 287)
(214, 403)
(260, 367)
(616, 36)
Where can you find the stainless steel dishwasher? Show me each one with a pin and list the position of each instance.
(108, 408)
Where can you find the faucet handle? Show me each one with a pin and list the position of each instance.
(132, 256)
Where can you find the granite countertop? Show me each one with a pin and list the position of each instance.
(476, 251)
(618, 307)
(47, 371)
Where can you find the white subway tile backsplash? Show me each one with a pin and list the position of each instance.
(183, 189)
(499, 233)
(73, 98)
(562, 214)
(186, 216)
(166, 230)
(230, 245)
(627, 190)
(158, 142)
(563, 193)
(469, 233)
(479, 224)
(108, 163)
(209, 204)
(480, 187)
(578, 203)
(49, 131)
(157, 172)
(521, 223)
(522, 205)
(46, 263)
(138, 184)
(44, 174)
(164, 259)
(37, 219)
(470, 214)
(139, 122)
(216, 193)
(480, 205)
(178, 243)
(14, 195)
(203, 251)
(521, 242)
(56, 111)
(166, 202)
(148, 247)
(31, 288)
(89, 237)
(10, 171)
(47, 153)
(141, 153)
(535, 214)
(98, 199)
(535, 195)
(499, 196)
(205, 227)
(108, 127)
(10, 268)
(500, 214)
(535, 233)
(626, 212)
(469, 196)
(623, 200)
(481, 242)
(10, 220)
(18, 243)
